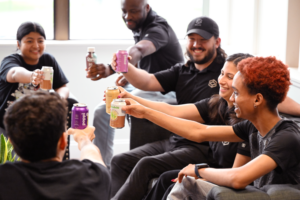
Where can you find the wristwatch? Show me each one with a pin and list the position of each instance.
(199, 166)
(110, 67)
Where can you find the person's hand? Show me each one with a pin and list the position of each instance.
(114, 61)
(134, 108)
(121, 81)
(123, 94)
(98, 71)
(37, 77)
(187, 171)
(81, 134)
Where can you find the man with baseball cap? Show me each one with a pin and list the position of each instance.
(193, 81)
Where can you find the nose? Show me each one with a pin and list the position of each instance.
(36, 44)
(221, 80)
(232, 99)
(196, 43)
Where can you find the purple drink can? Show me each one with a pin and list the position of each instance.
(80, 116)
(122, 61)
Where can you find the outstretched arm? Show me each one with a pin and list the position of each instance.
(190, 130)
(289, 106)
(88, 149)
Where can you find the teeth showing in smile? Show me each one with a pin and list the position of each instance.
(198, 51)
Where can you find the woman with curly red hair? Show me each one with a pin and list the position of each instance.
(259, 86)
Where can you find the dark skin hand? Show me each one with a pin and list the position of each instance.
(98, 71)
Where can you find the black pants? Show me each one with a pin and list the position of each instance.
(132, 171)
(163, 186)
(70, 105)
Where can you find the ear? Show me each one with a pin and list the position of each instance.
(147, 8)
(218, 42)
(63, 141)
(18, 44)
(259, 98)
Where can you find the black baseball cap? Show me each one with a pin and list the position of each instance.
(203, 26)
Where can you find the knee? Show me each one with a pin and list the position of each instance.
(146, 163)
(118, 160)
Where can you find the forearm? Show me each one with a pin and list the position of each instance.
(89, 151)
(141, 79)
(63, 91)
(136, 55)
(289, 106)
(229, 177)
(19, 75)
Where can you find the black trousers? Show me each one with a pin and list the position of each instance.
(163, 186)
(132, 171)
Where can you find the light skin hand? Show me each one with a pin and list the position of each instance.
(123, 94)
(187, 171)
(79, 135)
(37, 77)
(121, 81)
(134, 108)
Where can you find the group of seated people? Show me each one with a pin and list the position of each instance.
(226, 129)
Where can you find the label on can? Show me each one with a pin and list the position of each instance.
(117, 115)
(122, 61)
(47, 83)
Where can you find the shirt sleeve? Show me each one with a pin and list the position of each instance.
(59, 78)
(8, 63)
(202, 107)
(158, 36)
(168, 78)
(244, 149)
(284, 148)
(243, 129)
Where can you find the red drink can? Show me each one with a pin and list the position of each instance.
(122, 61)
(80, 116)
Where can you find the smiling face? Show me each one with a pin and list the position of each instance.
(225, 80)
(200, 50)
(242, 100)
(32, 47)
(134, 13)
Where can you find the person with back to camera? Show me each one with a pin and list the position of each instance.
(20, 73)
(156, 48)
(259, 86)
(36, 127)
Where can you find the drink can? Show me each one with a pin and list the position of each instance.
(47, 83)
(117, 115)
(122, 61)
(111, 94)
(80, 116)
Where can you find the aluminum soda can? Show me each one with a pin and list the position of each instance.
(111, 94)
(117, 115)
(80, 116)
(47, 83)
(122, 61)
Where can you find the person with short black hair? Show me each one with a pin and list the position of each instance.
(20, 73)
(36, 127)
(259, 86)
(156, 48)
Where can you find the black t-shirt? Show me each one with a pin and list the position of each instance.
(168, 50)
(12, 91)
(282, 144)
(190, 85)
(72, 179)
(223, 152)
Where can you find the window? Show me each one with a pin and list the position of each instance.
(15, 12)
(101, 19)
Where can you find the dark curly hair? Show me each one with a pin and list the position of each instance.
(267, 76)
(34, 124)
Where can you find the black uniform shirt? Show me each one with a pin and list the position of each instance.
(168, 50)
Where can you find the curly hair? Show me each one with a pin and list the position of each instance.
(34, 124)
(267, 76)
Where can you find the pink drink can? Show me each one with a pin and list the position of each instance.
(80, 116)
(122, 61)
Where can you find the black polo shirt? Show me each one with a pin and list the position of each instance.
(168, 50)
(190, 85)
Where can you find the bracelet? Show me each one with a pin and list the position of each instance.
(110, 67)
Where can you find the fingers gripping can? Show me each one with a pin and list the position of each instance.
(122, 61)
(111, 94)
(80, 116)
(48, 80)
(117, 115)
